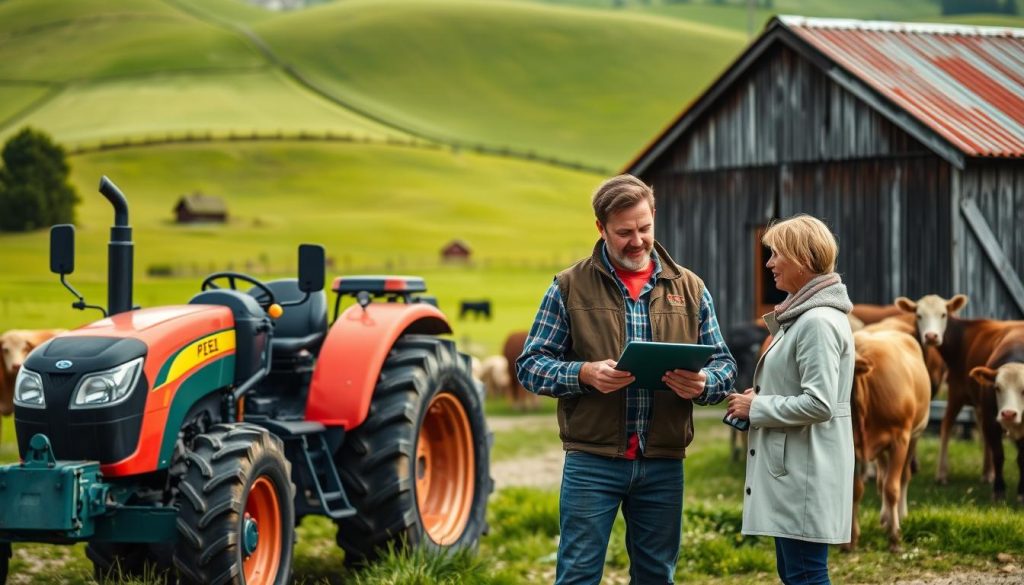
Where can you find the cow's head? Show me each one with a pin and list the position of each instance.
(932, 313)
(1008, 384)
(15, 347)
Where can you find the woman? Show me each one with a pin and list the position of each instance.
(799, 485)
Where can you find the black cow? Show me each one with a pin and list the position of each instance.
(476, 308)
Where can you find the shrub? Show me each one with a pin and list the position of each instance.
(34, 188)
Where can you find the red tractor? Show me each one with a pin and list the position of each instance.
(188, 441)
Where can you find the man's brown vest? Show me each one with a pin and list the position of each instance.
(596, 422)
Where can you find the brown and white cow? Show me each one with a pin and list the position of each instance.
(906, 323)
(890, 400)
(964, 345)
(493, 372)
(1001, 383)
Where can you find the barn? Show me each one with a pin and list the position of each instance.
(456, 251)
(907, 139)
(198, 207)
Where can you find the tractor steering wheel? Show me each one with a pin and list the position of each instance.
(265, 297)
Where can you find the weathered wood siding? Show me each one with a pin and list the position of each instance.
(785, 140)
(997, 188)
(788, 111)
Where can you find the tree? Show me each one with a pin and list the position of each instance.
(34, 188)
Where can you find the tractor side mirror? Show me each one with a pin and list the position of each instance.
(311, 268)
(62, 249)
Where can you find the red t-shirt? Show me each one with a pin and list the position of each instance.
(635, 282)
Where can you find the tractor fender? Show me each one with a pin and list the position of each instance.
(353, 353)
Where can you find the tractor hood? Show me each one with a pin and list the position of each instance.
(172, 342)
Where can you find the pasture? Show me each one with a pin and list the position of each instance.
(340, 195)
(413, 92)
(953, 529)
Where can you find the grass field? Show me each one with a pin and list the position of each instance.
(950, 528)
(262, 100)
(733, 14)
(582, 86)
(110, 38)
(524, 221)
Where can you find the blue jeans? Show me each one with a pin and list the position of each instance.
(800, 562)
(650, 492)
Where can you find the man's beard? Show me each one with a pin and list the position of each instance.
(630, 264)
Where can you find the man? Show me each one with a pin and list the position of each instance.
(624, 446)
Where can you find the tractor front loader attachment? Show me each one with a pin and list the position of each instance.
(46, 500)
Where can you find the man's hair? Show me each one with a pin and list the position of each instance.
(805, 240)
(618, 193)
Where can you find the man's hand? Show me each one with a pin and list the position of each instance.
(603, 376)
(739, 404)
(684, 383)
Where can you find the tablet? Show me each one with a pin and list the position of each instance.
(649, 360)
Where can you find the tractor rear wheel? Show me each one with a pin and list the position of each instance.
(236, 522)
(114, 562)
(417, 470)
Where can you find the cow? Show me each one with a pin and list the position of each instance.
(1001, 384)
(15, 345)
(494, 374)
(890, 400)
(964, 345)
(478, 309)
(905, 323)
(519, 396)
(868, 314)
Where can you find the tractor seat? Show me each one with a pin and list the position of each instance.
(301, 327)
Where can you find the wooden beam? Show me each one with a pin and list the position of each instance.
(976, 222)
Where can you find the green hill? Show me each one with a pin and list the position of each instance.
(263, 101)
(732, 14)
(145, 68)
(579, 85)
(62, 41)
(376, 209)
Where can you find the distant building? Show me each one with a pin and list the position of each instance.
(455, 251)
(198, 207)
(907, 139)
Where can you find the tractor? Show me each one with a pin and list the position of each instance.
(188, 441)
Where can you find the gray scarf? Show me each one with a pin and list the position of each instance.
(826, 290)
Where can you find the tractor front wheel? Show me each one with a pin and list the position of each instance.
(236, 522)
(417, 470)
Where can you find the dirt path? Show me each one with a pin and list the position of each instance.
(544, 469)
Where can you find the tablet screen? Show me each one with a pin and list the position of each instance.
(649, 360)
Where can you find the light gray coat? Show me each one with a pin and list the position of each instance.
(800, 458)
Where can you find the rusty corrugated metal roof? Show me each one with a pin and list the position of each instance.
(966, 83)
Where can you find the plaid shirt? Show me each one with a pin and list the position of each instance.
(541, 370)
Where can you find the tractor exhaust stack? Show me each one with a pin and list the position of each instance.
(120, 252)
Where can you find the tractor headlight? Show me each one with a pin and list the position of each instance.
(107, 388)
(28, 389)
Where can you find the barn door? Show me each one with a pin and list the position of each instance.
(766, 296)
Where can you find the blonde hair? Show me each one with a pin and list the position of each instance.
(618, 193)
(805, 240)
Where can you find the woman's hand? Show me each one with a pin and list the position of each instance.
(685, 384)
(739, 404)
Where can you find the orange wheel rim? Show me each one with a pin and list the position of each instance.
(261, 556)
(445, 469)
